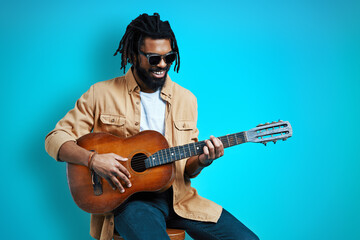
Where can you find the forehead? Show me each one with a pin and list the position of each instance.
(160, 46)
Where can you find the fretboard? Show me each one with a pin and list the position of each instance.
(173, 154)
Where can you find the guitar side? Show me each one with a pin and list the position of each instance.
(155, 179)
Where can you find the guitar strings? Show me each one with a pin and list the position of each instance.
(228, 140)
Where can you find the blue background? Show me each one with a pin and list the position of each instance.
(248, 62)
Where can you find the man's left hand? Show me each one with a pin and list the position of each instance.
(213, 150)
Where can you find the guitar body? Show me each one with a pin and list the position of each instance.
(136, 149)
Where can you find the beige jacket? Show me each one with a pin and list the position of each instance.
(114, 106)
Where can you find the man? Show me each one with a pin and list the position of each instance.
(146, 98)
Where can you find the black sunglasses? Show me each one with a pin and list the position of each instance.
(154, 58)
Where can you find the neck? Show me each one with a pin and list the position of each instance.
(141, 84)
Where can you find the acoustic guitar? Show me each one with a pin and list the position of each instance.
(151, 163)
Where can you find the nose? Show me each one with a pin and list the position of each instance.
(162, 63)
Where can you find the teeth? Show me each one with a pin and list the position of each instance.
(158, 73)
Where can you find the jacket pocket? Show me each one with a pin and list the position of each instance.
(185, 132)
(111, 123)
(111, 119)
(185, 125)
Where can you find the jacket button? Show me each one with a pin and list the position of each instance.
(136, 123)
(113, 120)
(137, 102)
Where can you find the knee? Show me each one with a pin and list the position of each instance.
(250, 236)
(245, 233)
(130, 217)
(135, 210)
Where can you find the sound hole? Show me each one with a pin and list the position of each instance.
(138, 162)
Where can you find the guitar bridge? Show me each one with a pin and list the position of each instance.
(96, 182)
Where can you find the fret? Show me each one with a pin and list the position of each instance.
(165, 156)
(224, 141)
(188, 148)
(232, 140)
(158, 159)
(153, 159)
(192, 149)
(201, 147)
(166, 159)
(182, 152)
(227, 139)
(172, 155)
(236, 141)
(186, 152)
(179, 154)
(148, 162)
(168, 155)
(159, 162)
(197, 148)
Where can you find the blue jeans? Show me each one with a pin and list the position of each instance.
(147, 215)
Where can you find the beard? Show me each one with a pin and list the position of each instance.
(151, 82)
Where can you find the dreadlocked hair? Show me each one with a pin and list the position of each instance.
(140, 28)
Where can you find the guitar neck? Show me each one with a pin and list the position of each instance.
(173, 154)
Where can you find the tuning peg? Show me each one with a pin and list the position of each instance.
(284, 139)
(280, 120)
(274, 141)
(265, 143)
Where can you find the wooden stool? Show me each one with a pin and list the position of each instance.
(174, 234)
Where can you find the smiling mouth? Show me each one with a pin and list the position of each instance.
(158, 74)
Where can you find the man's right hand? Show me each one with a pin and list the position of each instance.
(107, 166)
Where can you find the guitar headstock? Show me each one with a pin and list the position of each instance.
(270, 132)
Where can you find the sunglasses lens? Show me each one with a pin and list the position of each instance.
(154, 60)
(170, 58)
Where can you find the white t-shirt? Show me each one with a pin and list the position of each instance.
(152, 112)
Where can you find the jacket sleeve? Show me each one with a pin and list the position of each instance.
(194, 132)
(76, 123)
